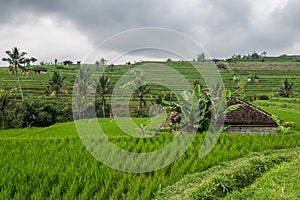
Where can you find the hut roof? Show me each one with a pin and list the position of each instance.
(67, 62)
(248, 115)
(40, 69)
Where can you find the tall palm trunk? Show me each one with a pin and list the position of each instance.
(18, 79)
(141, 106)
(103, 106)
(2, 119)
(56, 96)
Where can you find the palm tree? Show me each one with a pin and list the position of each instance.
(97, 64)
(286, 89)
(103, 61)
(3, 105)
(140, 93)
(27, 62)
(142, 90)
(55, 85)
(104, 87)
(16, 59)
(33, 60)
(82, 91)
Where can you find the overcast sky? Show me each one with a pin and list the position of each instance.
(71, 29)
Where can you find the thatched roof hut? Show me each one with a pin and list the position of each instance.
(249, 119)
(39, 69)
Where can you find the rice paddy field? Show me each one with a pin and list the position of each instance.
(271, 77)
(53, 163)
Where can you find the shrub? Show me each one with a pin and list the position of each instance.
(284, 127)
(44, 119)
(38, 113)
(264, 97)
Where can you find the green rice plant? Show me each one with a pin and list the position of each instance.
(219, 181)
(53, 163)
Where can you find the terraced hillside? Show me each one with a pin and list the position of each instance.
(271, 76)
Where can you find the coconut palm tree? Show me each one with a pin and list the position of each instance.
(55, 85)
(27, 62)
(140, 93)
(3, 105)
(33, 60)
(104, 88)
(82, 91)
(16, 59)
(103, 61)
(97, 63)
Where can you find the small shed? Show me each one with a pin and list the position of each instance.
(248, 119)
(39, 70)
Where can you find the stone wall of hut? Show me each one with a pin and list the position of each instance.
(251, 129)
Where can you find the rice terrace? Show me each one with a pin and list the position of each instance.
(43, 157)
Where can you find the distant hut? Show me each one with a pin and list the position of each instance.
(256, 79)
(248, 119)
(67, 62)
(40, 70)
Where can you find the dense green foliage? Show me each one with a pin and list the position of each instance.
(271, 77)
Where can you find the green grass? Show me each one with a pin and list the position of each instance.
(65, 130)
(53, 163)
(287, 104)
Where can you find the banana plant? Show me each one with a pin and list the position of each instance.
(198, 109)
(192, 106)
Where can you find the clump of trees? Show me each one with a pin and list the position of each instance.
(201, 57)
(31, 112)
(249, 57)
(83, 92)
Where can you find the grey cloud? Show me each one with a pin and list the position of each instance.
(223, 27)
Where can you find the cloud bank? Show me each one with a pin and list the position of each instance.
(66, 29)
